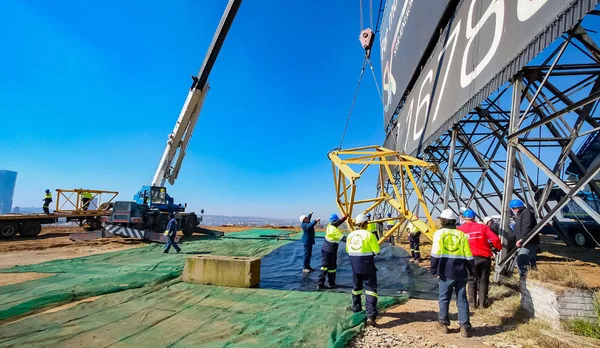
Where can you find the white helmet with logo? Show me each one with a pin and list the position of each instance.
(302, 217)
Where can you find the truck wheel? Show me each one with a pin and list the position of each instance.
(161, 223)
(30, 229)
(8, 229)
(190, 225)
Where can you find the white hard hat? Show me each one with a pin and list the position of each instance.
(360, 218)
(448, 214)
(302, 217)
(487, 219)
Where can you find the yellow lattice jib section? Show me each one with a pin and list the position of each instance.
(387, 162)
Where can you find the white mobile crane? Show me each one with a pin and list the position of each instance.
(151, 205)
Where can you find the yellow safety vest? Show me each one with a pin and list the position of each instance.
(451, 244)
(48, 195)
(362, 243)
(333, 234)
(87, 195)
(391, 222)
(372, 227)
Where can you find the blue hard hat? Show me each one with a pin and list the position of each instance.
(389, 214)
(47, 191)
(469, 214)
(333, 217)
(368, 214)
(516, 203)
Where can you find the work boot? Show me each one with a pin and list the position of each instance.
(332, 285)
(306, 270)
(443, 328)
(412, 261)
(354, 310)
(472, 295)
(371, 321)
(466, 331)
(483, 294)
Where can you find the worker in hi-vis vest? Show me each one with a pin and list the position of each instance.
(362, 247)
(372, 226)
(389, 224)
(86, 198)
(47, 200)
(329, 250)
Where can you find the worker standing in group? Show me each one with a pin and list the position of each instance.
(362, 247)
(47, 200)
(479, 236)
(86, 198)
(329, 250)
(172, 228)
(308, 239)
(493, 225)
(451, 262)
(372, 226)
(380, 231)
(414, 238)
(524, 223)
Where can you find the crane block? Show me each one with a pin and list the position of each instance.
(394, 169)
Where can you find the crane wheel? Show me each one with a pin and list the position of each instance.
(161, 223)
(8, 230)
(30, 229)
(190, 225)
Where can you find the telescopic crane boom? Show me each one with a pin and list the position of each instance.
(170, 162)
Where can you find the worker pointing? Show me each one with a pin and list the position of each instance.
(333, 237)
(362, 247)
(308, 239)
(47, 200)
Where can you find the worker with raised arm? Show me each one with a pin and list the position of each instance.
(362, 247)
(524, 223)
(47, 200)
(372, 226)
(451, 262)
(86, 198)
(308, 239)
(329, 250)
(479, 236)
(172, 228)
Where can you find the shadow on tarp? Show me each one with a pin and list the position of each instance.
(282, 270)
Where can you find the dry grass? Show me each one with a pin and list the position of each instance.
(561, 275)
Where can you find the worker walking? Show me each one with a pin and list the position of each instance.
(329, 250)
(479, 236)
(524, 224)
(172, 228)
(86, 198)
(372, 226)
(47, 200)
(362, 247)
(451, 262)
(308, 239)
(414, 238)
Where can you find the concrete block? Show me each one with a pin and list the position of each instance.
(241, 272)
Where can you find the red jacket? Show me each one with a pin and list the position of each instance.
(479, 235)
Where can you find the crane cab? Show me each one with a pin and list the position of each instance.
(156, 197)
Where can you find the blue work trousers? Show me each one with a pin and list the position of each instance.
(171, 242)
(527, 258)
(307, 255)
(447, 286)
(369, 283)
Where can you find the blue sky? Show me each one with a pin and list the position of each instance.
(92, 89)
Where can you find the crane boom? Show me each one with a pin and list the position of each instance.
(170, 162)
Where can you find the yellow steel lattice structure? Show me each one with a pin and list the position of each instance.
(70, 201)
(386, 162)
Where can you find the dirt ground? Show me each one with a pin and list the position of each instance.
(503, 324)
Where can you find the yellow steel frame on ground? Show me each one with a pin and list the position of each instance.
(69, 201)
(387, 162)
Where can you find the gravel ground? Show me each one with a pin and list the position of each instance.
(373, 337)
